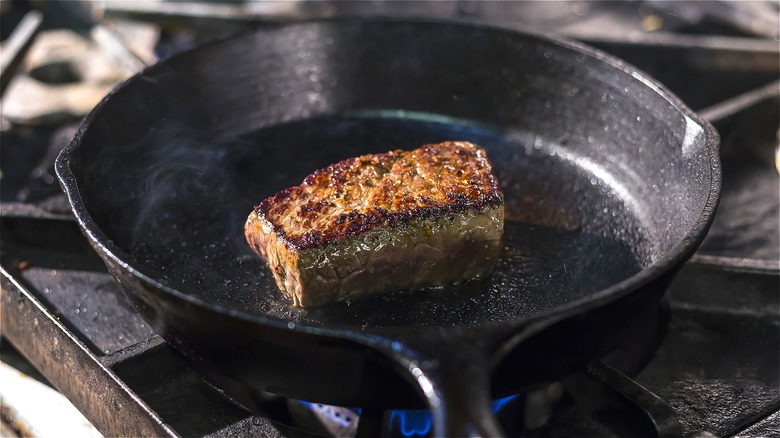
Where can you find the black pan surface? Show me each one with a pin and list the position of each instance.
(194, 241)
(610, 182)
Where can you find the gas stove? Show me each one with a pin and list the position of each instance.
(706, 363)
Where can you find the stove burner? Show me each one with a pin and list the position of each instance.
(535, 409)
(419, 422)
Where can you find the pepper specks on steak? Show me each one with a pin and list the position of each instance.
(382, 222)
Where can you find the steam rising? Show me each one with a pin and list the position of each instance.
(177, 172)
(190, 200)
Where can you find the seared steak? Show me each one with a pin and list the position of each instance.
(382, 222)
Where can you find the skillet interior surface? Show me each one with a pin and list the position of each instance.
(194, 241)
(172, 185)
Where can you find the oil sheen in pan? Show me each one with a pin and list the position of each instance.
(567, 233)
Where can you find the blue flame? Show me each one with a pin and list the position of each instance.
(411, 423)
(418, 423)
(498, 404)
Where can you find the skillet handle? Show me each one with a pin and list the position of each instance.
(454, 378)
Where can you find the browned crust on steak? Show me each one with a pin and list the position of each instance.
(359, 194)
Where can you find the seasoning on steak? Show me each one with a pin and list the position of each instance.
(377, 223)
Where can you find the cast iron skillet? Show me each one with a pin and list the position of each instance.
(610, 184)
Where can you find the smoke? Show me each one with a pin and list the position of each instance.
(178, 176)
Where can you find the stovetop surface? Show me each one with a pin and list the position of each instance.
(718, 366)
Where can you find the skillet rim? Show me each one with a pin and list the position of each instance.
(677, 255)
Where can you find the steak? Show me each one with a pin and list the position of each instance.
(383, 222)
